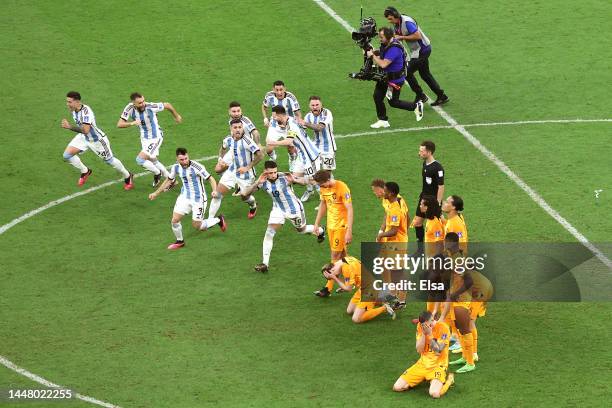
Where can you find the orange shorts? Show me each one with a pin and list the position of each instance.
(465, 305)
(478, 309)
(356, 299)
(336, 239)
(418, 373)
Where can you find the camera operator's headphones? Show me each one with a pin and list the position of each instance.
(393, 11)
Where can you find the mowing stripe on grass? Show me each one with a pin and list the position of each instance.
(500, 164)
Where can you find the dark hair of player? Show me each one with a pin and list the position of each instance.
(234, 104)
(327, 267)
(279, 110)
(429, 146)
(424, 316)
(314, 98)
(392, 11)
(278, 83)
(135, 95)
(433, 207)
(270, 164)
(74, 95)
(451, 243)
(392, 187)
(181, 151)
(387, 32)
(457, 203)
(235, 121)
(378, 183)
(322, 176)
(452, 237)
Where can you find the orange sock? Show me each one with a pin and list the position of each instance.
(372, 313)
(467, 344)
(453, 328)
(330, 284)
(475, 336)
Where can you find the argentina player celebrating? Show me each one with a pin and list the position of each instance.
(89, 137)
(144, 115)
(237, 159)
(308, 160)
(192, 198)
(279, 96)
(285, 206)
(321, 121)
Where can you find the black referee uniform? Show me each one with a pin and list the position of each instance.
(433, 178)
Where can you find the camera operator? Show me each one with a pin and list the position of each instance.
(407, 29)
(391, 57)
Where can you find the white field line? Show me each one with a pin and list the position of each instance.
(486, 124)
(500, 164)
(53, 203)
(5, 362)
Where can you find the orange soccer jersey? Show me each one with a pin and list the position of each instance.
(335, 198)
(434, 230)
(456, 224)
(351, 270)
(430, 359)
(455, 284)
(396, 216)
(434, 235)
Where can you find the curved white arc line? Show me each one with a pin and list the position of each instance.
(12, 366)
(53, 203)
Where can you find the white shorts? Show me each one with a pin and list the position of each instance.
(185, 206)
(307, 169)
(102, 147)
(328, 161)
(151, 146)
(277, 216)
(275, 134)
(230, 180)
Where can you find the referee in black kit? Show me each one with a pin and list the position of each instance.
(433, 185)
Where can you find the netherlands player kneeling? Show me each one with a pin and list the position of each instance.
(350, 268)
(192, 198)
(432, 344)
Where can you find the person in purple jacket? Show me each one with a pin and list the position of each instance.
(391, 57)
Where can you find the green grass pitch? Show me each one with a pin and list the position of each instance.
(91, 299)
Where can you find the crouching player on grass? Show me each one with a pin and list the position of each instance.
(432, 344)
(350, 268)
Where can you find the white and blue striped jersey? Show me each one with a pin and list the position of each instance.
(282, 195)
(289, 102)
(243, 150)
(324, 140)
(193, 178)
(247, 124)
(149, 125)
(85, 116)
(306, 148)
